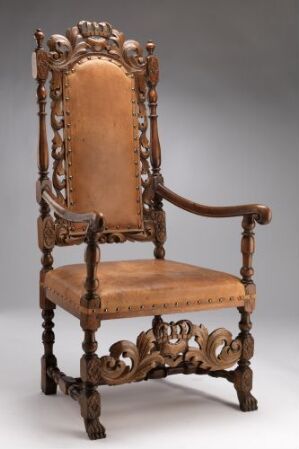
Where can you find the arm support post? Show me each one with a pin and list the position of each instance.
(90, 300)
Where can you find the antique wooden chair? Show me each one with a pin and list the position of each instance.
(105, 165)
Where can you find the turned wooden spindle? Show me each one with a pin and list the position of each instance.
(243, 373)
(152, 81)
(247, 249)
(46, 228)
(92, 256)
(155, 155)
(41, 74)
(41, 78)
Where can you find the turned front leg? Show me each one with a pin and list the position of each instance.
(90, 401)
(243, 374)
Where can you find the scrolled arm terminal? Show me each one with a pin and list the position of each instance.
(94, 219)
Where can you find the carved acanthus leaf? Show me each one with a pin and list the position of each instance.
(143, 357)
(208, 346)
(168, 344)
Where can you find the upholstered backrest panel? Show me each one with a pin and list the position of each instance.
(101, 139)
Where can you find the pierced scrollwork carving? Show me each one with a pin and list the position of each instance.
(57, 123)
(173, 342)
(168, 344)
(143, 356)
(141, 88)
(92, 37)
(207, 351)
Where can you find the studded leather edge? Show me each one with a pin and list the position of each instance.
(153, 308)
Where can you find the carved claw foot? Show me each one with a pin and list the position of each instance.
(243, 385)
(94, 429)
(248, 403)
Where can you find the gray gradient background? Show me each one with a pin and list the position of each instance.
(228, 120)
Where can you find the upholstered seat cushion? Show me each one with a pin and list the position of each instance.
(146, 287)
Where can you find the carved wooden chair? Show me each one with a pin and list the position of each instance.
(105, 165)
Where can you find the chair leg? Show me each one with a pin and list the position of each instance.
(243, 373)
(90, 401)
(48, 360)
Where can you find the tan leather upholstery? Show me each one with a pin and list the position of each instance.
(146, 287)
(101, 135)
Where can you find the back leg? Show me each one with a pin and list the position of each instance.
(48, 359)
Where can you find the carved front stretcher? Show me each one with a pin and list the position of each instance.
(165, 348)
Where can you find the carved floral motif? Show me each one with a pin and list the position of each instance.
(49, 232)
(46, 232)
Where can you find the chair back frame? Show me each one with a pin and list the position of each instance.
(82, 42)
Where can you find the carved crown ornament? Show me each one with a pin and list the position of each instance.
(81, 41)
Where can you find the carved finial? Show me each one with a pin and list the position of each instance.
(150, 46)
(39, 36)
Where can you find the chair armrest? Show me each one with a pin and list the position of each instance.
(260, 213)
(94, 219)
(90, 299)
(251, 213)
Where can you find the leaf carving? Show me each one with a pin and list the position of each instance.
(167, 344)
